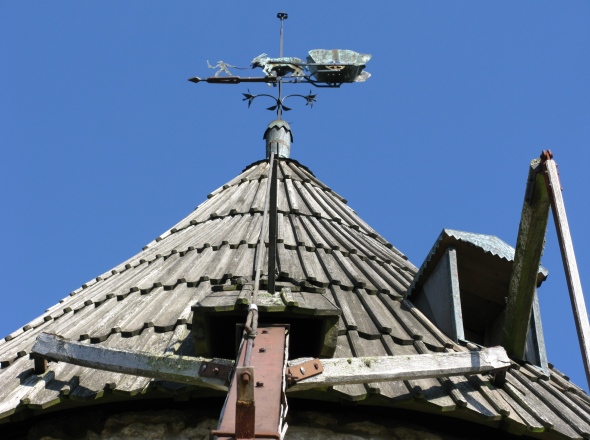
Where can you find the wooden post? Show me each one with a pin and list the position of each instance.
(527, 257)
(569, 259)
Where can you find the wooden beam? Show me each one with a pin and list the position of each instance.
(272, 224)
(527, 257)
(569, 261)
(337, 371)
(183, 369)
(388, 368)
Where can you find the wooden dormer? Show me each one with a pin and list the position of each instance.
(462, 286)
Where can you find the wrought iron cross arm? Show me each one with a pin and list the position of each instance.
(280, 102)
(310, 98)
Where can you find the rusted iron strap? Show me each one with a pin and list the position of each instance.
(268, 361)
(304, 370)
(215, 370)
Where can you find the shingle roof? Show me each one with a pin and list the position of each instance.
(324, 249)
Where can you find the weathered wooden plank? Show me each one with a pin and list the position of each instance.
(524, 403)
(313, 267)
(309, 223)
(556, 406)
(397, 389)
(310, 198)
(347, 320)
(289, 265)
(295, 202)
(382, 318)
(320, 198)
(353, 273)
(376, 283)
(387, 368)
(527, 257)
(353, 392)
(288, 233)
(569, 262)
(174, 368)
(354, 313)
(440, 336)
(440, 296)
(491, 395)
(16, 389)
(333, 270)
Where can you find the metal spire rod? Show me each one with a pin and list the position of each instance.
(281, 16)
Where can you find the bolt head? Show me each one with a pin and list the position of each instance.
(302, 370)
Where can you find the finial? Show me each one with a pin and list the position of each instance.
(278, 138)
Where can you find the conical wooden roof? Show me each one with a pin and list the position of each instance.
(324, 249)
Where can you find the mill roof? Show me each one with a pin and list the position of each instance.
(329, 258)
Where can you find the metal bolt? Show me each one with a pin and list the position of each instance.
(203, 368)
(216, 370)
(317, 367)
(259, 384)
(245, 378)
(302, 370)
(262, 349)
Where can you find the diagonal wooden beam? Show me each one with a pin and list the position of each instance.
(183, 369)
(388, 368)
(569, 259)
(527, 257)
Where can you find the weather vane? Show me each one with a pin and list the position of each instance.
(322, 68)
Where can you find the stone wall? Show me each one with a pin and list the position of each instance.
(307, 421)
(186, 425)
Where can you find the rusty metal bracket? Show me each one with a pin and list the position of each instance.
(215, 370)
(302, 371)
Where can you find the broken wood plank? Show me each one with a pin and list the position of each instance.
(183, 369)
(388, 368)
(527, 257)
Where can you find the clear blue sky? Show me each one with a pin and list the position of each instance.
(105, 144)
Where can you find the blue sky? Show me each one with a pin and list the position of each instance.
(105, 143)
